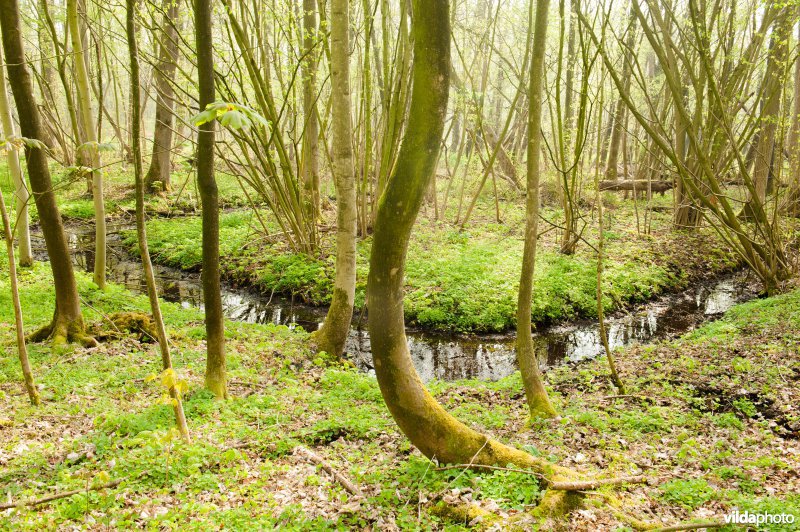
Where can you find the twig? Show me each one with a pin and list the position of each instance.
(62, 495)
(341, 479)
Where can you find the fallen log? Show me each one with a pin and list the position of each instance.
(638, 185)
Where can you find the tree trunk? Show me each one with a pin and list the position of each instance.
(20, 188)
(310, 158)
(158, 174)
(774, 81)
(619, 111)
(67, 324)
(538, 402)
(429, 427)
(22, 348)
(216, 374)
(333, 334)
(91, 148)
(141, 228)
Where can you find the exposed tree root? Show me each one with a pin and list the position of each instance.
(63, 333)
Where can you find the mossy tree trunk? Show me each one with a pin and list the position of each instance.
(21, 195)
(216, 373)
(538, 401)
(310, 158)
(141, 228)
(90, 148)
(333, 334)
(437, 434)
(158, 174)
(67, 324)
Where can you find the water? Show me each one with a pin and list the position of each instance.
(438, 355)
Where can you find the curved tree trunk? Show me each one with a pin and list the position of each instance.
(20, 189)
(538, 402)
(67, 324)
(91, 150)
(430, 428)
(333, 334)
(216, 374)
(157, 178)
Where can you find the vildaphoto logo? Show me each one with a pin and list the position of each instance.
(749, 518)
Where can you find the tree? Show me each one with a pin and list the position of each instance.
(89, 142)
(333, 334)
(538, 402)
(164, 74)
(216, 374)
(20, 189)
(67, 324)
(22, 348)
(310, 158)
(422, 419)
(141, 228)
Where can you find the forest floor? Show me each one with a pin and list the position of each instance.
(711, 418)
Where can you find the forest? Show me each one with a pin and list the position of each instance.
(400, 265)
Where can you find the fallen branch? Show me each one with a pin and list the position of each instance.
(341, 479)
(690, 526)
(491, 467)
(583, 485)
(638, 185)
(62, 495)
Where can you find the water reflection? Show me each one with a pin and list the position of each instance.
(442, 356)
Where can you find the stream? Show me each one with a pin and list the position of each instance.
(437, 355)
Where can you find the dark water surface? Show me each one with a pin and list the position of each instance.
(437, 355)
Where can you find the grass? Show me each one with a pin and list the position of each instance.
(102, 419)
(462, 281)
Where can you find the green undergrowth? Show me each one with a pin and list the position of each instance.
(103, 419)
(458, 280)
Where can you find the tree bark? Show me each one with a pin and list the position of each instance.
(141, 228)
(21, 195)
(67, 324)
(333, 334)
(90, 138)
(538, 401)
(429, 427)
(310, 158)
(619, 111)
(216, 373)
(158, 174)
(22, 348)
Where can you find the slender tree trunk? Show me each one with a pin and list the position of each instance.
(158, 174)
(22, 348)
(310, 158)
(538, 401)
(20, 188)
(141, 228)
(792, 202)
(216, 373)
(619, 110)
(91, 149)
(333, 334)
(774, 81)
(67, 324)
